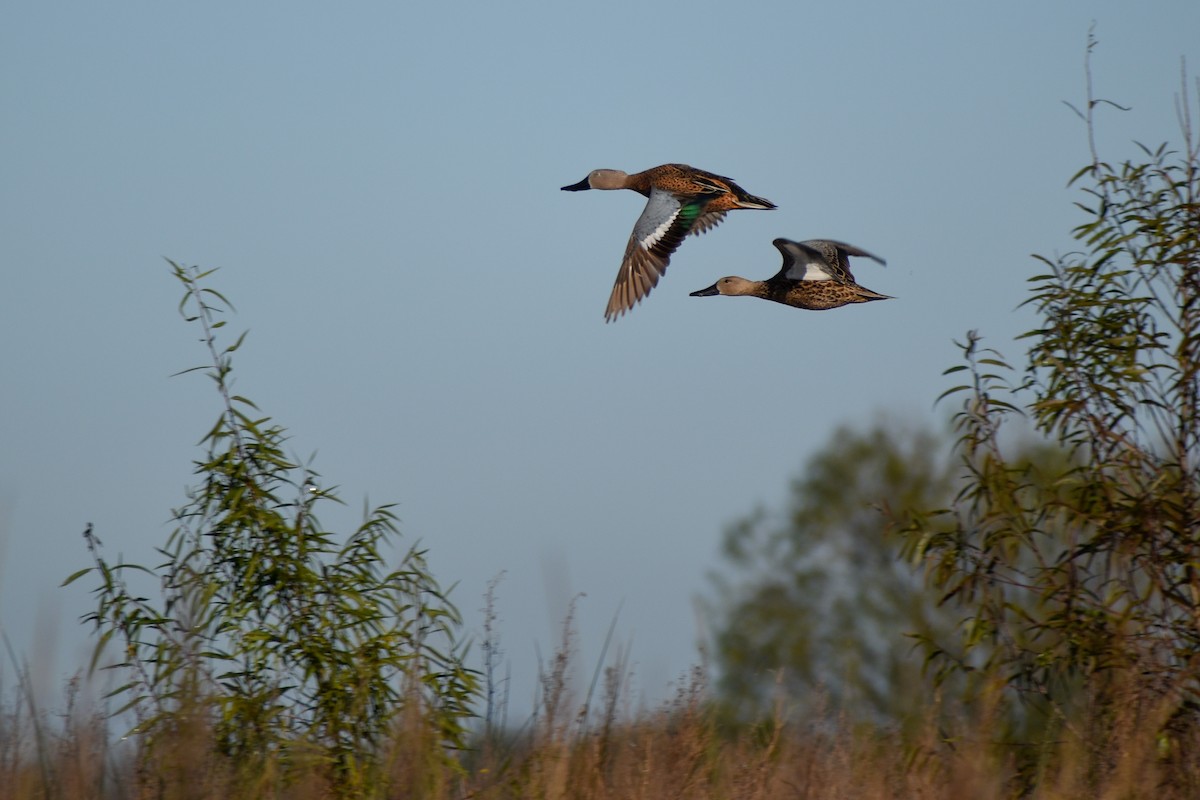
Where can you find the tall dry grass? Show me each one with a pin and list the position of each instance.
(599, 748)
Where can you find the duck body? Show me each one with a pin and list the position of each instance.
(815, 276)
(681, 200)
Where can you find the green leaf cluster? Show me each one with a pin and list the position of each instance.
(291, 645)
(1078, 575)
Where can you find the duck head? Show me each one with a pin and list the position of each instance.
(600, 179)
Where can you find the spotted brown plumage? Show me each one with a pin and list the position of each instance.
(815, 275)
(681, 200)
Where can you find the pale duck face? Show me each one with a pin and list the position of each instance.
(606, 179)
(599, 179)
(731, 286)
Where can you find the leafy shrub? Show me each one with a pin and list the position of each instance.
(283, 642)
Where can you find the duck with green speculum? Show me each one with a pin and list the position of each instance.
(815, 276)
(682, 200)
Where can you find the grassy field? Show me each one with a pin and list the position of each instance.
(677, 750)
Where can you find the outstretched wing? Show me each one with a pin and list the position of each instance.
(819, 260)
(707, 221)
(656, 235)
(804, 263)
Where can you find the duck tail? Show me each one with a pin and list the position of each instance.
(750, 201)
(867, 295)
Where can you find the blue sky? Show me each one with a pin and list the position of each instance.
(379, 185)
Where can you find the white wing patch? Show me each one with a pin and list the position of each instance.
(660, 212)
(810, 271)
(802, 263)
(804, 266)
(656, 235)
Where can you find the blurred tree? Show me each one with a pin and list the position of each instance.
(817, 597)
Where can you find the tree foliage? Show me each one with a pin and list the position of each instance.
(1080, 584)
(1065, 540)
(816, 600)
(287, 642)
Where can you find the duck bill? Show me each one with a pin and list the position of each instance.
(709, 292)
(577, 187)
